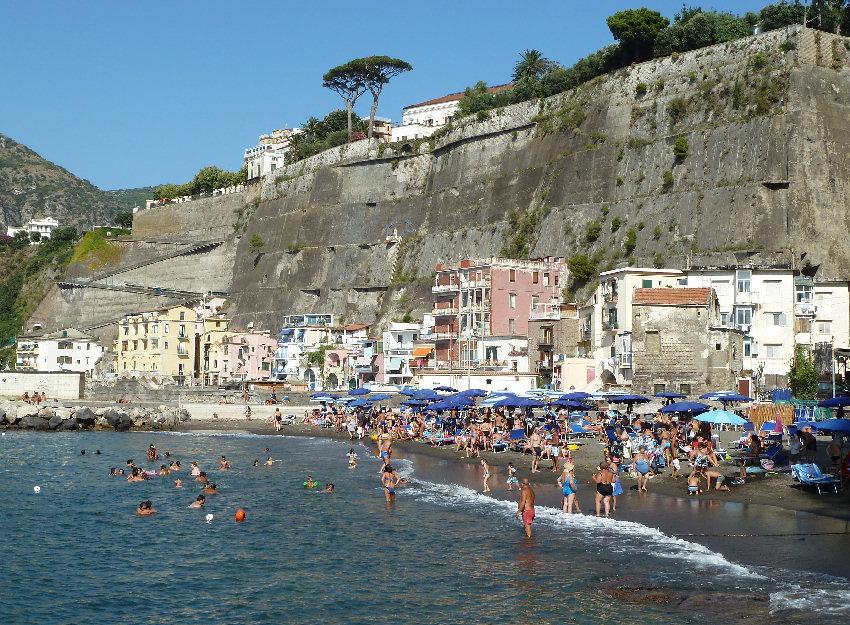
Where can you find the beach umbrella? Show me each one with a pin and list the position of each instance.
(575, 396)
(359, 391)
(447, 389)
(720, 417)
(835, 402)
(834, 425)
(629, 400)
(517, 402)
(427, 394)
(317, 395)
(408, 390)
(686, 407)
(414, 402)
(735, 397)
(569, 404)
(445, 405)
(344, 400)
(670, 395)
(322, 398)
(380, 397)
(360, 403)
(474, 392)
(459, 399)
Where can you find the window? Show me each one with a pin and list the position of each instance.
(646, 283)
(743, 315)
(265, 366)
(653, 342)
(658, 388)
(181, 331)
(535, 277)
(748, 347)
(511, 300)
(154, 343)
(772, 351)
(724, 319)
(88, 346)
(743, 277)
(511, 326)
(803, 293)
(824, 327)
(685, 389)
(557, 279)
(775, 318)
(126, 330)
(165, 328)
(772, 288)
(546, 279)
(535, 300)
(166, 345)
(182, 316)
(718, 347)
(512, 275)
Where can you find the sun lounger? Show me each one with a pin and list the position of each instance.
(577, 431)
(517, 439)
(811, 475)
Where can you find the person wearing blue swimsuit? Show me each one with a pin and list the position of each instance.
(567, 482)
(641, 461)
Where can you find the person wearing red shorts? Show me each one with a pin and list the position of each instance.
(525, 506)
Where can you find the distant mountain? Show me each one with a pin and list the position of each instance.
(31, 186)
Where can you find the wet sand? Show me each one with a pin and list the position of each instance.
(767, 522)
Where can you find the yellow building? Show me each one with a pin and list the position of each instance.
(164, 341)
(214, 350)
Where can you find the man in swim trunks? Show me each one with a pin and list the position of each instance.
(389, 480)
(525, 506)
(604, 488)
(536, 445)
(199, 502)
(145, 509)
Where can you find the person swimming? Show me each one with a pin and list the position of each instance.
(210, 489)
(224, 464)
(137, 475)
(310, 482)
(113, 472)
(82, 452)
(352, 459)
(202, 477)
(270, 462)
(175, 466)
(199, 502)
(328, 489)
(163, 470)
(178, 483)
(196, 470)
(145, 509)
(152, 453)
(389, 480)
(256, 463)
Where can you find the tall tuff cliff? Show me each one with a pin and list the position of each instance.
(761, 178)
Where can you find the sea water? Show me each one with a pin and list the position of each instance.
(442, 553)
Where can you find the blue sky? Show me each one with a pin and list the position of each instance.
(129, 94)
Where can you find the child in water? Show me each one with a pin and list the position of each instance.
(693, 483)
(352, 459)
(486, 467)
(512, 480)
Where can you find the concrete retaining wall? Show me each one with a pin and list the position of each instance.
(56, 385)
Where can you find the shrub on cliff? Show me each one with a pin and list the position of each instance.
(680, 148)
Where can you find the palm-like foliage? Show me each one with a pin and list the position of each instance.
(532, 64)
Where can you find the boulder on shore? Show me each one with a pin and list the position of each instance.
(113, 417)
(34, 422)
(85, 416)
(125, 422)
(67, 424)
(2, 417)
(54, 422)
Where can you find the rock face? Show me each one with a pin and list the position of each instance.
(34, 422)
(28, 417)
(764, 182)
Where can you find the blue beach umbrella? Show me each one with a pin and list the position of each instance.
(735, 397)
(427, 394)
(720, 417)
(670, 395)
(569, 404)
(380, 397)
(686, 407)
(408, 390)
(359, 391)
(414, 402)
(835, 402)
(834, 425)
(360, 403)
(447, 389)
(474, 392)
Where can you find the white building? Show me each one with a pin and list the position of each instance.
(270, 152)
(606, 319)
(398, 342)
(503, 353)
(44, 227)
(423, 119)
(300, 335)
(65, 350)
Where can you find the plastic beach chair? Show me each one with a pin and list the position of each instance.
(811, 475)
(517, 439)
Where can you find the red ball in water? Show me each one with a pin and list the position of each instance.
(240, 515)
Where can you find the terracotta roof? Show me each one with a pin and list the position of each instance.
(353, 327)
(452, 97)
(672, 297)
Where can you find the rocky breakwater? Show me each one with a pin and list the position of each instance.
(22, 416)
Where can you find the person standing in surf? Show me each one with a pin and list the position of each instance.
(525, 506)
(486, 467)
(567, 482)
(389, 480)
(604, 490)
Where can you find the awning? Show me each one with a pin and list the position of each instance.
(422, 352)
(395, 364)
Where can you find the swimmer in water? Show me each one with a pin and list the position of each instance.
(210, 489)
(97, 452)
(310, 483)
(196, 470)
(175, 466)
(178, 483)
(137, 475)
(145, 509)
(202, 478)
(224, 464)
(113, 472)
(199, 502)
(120, 471)
(389, 480)
(82, 452)
(163, 470)
(153, 455)
(352, 459)
(486, 475)
(130, 463)
(328, 489)
(270, 462)
(256, 463)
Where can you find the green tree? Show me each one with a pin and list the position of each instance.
(594, 229)
(631, 241)
(532, 65)
(256, 244)
(636, 30)
(680, 147)
(377, 72)
(349, 82)
(124, 219)
(803, 375)
(781, 14)
(582, 269)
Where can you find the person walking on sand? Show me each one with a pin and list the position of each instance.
(525, 506)
(567, 482)
(535, 443)
(511, 481)
(603, 479)
(486, 475)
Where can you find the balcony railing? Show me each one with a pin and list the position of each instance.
(805, 309)
(625, 360)
(444, 336)
(444, 288)
(444, 312)
(608, 326)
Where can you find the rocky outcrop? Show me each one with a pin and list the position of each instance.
(63, 419)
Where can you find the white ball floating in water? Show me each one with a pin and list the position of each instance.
(210, 518)
(36, 489)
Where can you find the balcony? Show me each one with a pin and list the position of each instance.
(408, 351)
(445, 288)
(545, 312)
(544, 365)
(609, 326)
(625, 360)
(545, 344)
(805, 309)
(446, 311)
(444, 336)
(744, 298)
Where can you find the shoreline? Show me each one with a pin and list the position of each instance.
(776, 492)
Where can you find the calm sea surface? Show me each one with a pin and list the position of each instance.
(444, 553)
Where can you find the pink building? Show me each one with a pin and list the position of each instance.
(489, 297)
(249, 356)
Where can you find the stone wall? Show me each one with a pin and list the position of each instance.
(55, 385)
(204, 219)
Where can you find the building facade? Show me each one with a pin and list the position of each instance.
(270, 152)
(398, 344)
(681, 344)
(478, 298)
(65, 350)
(43, 227)
(554, 334)
(249, 356)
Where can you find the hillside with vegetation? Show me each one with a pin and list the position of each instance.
(33, 187)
